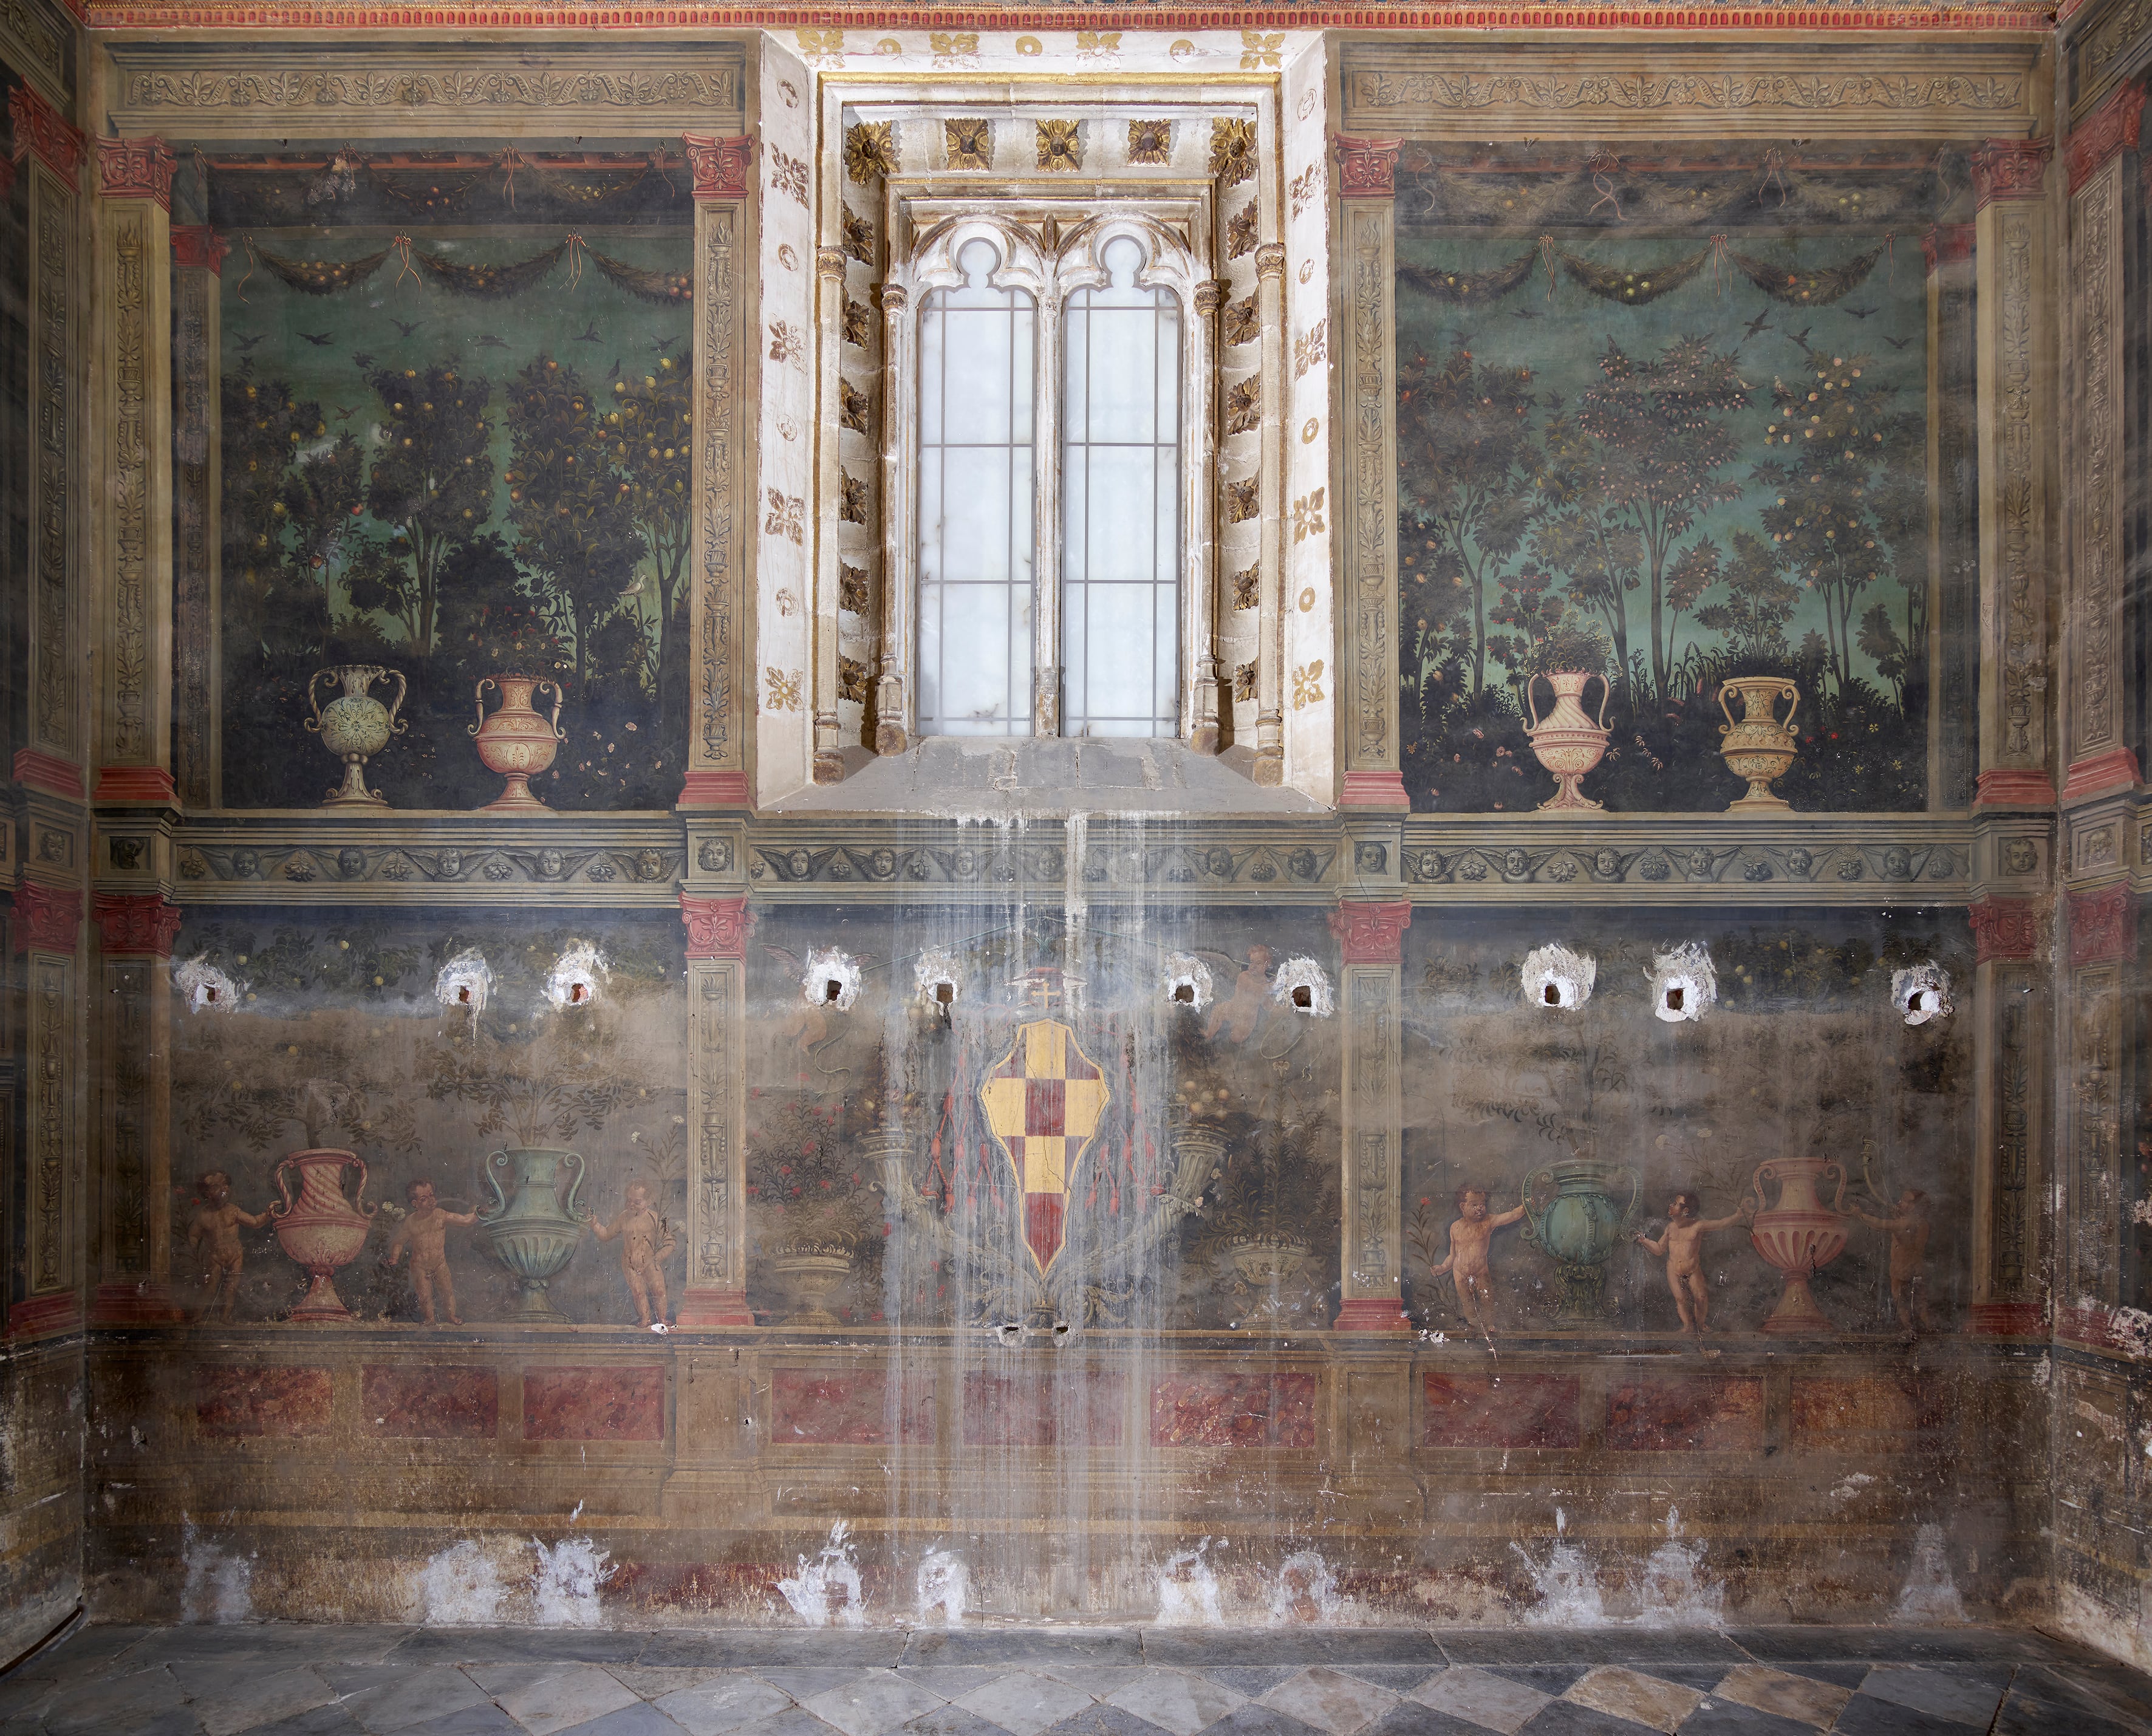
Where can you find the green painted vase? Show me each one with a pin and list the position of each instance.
(1579, 1227)
(535, 1229)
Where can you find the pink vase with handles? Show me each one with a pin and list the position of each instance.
(321, 1229)
(516, 742)
(1799, 1236)
(1565, 741)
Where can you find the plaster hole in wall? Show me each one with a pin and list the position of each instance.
(1183, 992)
(1922, 993)
(1303, 996)
(1304, 986)
(936, 975)
(1187, 981)
(1684, 984)
(945, 992)
(207, 989)
(575, 976)
(832, 992)
(1554, 976)
(1676, 996)
(832, 979)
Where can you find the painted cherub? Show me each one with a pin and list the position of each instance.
(1470, 1234)
(425, 1230)
(1681, 1246)
(1907, 1227)
(214, 1237)
(646, 1241)
(1237, 1014)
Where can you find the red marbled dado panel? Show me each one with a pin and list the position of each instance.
(594, 1403)
(1692, 1413)
(1868, 1414)
(1234, 1410)
(230, 1402)
(1044, 1413)
(1500, 1410)
(447, 1402)
(808, 1409)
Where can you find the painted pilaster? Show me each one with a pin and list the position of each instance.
(1270, 627)
(2009, 1046)
(2010, 260)
(716, 599)
(717, 1111)
(830, 505)
(131, 410)
(198, 253)
(2103, 954)
(1205, 731)
(133, 1161)
(2095, 677)
(899, 512)
(1368, 416)
(1953, 520)
(1371, 936)
(47, 929)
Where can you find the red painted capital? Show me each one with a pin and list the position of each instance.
(1948, 244)
(135, 169)
(716, 927)
(2010, 169)
(1372, 933)
(719, 165)
(2003, 928)
(135, 925)
(1366, 167)
(48, 918)
(195, 246)
(2103, 926)
(2108, 130)
(39, 128)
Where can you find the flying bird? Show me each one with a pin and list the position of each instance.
(590, 335)
(1801, 337)
(1524, 313)
(1860, 313)
(661, 344)
(345, 415)
(1759, 325)
(490, 342)
(359, 358)
(321, 340)
(1897, 342)
(613, 373)
(407, 330)
(246, 344)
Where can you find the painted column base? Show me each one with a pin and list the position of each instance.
(714, 789)
(1384, 791)
(1371, 1314)
(2013, 788)
(42, 1316)
(135, 784)
(147, 1303)
(2006, 1320)
(713, 1308)
(2104, 774)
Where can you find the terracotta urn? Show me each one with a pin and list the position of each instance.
(1758, 745)
(1579, 1227)
(1565, 741)
(514, 742)
(534, 1230)
(321, 1229)
(1799, 1236)
(355, 726)
(811, 1274)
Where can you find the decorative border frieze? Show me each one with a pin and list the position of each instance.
(621, 862)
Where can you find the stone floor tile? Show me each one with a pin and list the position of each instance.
(333, 1720)
(1330, 1700)
(1398, 1678)
(640, 1719)
(1101, 1681)
(229, 1707)
(1478, 1697)
(653, 1682)
(484, 1719)
(1895, 1645)
(1252, 1679)
(1209, 1648)
(1552, 1679)
(1408, 1718)
(387, 1699)
(733, 1702)
(951, 1721)
(1865, 1716)
(1592, 1645)
(1969, 1698)
(526, 1645)
(90, 1646)
(116, 1702)
(1565, 1718)
(755, 1648)
(875, 1703)
(1257, 1720)
(547, 1701)
(2108, 1690)
(950, 1680)
(1101, 1720)
(1015, 1645)
(2026, 1715)
(1651, 1701)
(1727, 1718)
(1802, 1698)
(1024, 1703)
(1181, 1701)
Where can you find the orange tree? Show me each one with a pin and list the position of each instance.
(431, 483)
(650, 425)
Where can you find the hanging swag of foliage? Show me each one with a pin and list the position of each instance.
(1814, 285)
(667, 288)
(490, 282)
(1469, 288)
(1799, 286)
(1634, 285)
(320, 276)
(487, 283)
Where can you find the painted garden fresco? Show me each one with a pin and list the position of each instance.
(1662, 424)
(456, 410)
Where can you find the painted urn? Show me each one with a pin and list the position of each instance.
(811, 1273)
(534, 1230)
(514, 741)
(1570, 1212)
(1799, 1236)
(355, 726)
(1565, 741)
(323, 1231)
(1758, 745)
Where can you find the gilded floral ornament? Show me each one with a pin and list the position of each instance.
(1151, 141)
(869, 150)
(1060, 144)
(1232, 151)
(971, 144)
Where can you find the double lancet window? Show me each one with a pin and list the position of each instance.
(1052, 516)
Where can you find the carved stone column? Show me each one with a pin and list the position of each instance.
(1953, 519)
(2095, 674)
(2102, 953)
(134, 1153)
(1270, 622)
(717, 596)
(899, 511)
(2011, 261)
(717, 1111)
(48, 930)
(132, 530)
(830, 504)
(1203, 729)
(1372, 935)
(2010, 1045)
(197, 484)
(1367, 507)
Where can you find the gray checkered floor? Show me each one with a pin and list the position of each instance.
(328, 1681)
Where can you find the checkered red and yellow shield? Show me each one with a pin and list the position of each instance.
(1044, 1101)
